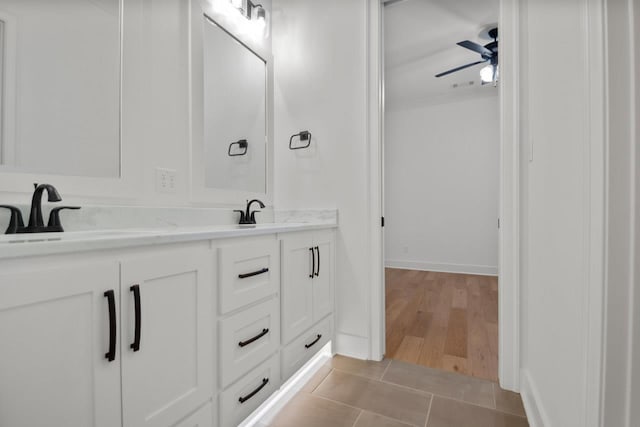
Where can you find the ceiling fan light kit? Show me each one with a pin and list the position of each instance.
(488, 53)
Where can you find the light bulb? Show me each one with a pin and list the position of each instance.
(486, 74)
(261, 24)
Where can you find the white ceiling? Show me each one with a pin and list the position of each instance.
(420, 42)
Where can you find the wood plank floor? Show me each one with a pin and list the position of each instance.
(443, 320)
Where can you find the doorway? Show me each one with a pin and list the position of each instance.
(441, 186)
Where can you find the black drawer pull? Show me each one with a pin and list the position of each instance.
(111, 299)
(314, 342)
(136, 299)
(313, 263)
(255, 273)
(256, 338)
(265, 381)
(318, 270)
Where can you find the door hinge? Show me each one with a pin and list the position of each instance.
(382, 222)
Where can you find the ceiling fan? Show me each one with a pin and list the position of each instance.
(488, 52)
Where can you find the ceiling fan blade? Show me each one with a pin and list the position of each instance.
(476, 48)
(460, 68)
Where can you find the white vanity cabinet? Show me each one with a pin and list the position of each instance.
(307, 281)
(66, 335)
(191, 334)
(54, 335)
(166, 367)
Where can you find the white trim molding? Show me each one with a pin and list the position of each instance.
(621, 217)
(509, 236)
(532, 403)
(353, 346)
(596, 192)
(375, 132)
(480, 270)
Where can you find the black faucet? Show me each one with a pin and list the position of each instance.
(247, 217)
(36, 222)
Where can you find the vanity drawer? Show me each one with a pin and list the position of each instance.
(247, 338)
(244, 397)
(303, 348)
(247, 273)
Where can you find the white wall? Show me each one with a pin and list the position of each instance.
(560, 187)
(441, 185)
(320, 86)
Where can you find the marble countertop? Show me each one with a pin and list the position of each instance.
(26, 245)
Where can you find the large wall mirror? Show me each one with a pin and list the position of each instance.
(60, 70)
(235, 115)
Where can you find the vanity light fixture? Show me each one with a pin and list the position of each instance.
(247, 8)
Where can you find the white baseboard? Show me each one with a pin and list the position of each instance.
(481, 270)
(264, 415)
(531, 399)
(352, 346)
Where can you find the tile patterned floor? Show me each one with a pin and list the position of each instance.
(353, 393)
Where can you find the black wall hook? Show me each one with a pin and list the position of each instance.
(305, 135)
(242, 145)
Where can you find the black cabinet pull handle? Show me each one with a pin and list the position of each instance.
(265, 381)
(318, 271)
(138, 327)
(255, 273)
(314, 342)
(256, 338)
(313, 263)
(111, 299)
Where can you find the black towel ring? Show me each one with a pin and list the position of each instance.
(242, 144)
(305, 135)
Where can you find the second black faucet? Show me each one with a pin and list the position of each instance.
(248, 217)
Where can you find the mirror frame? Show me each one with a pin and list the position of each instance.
(128, 185)
(200, 194)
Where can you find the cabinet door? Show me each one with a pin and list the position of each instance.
(202, 418)
(297, 290)
(323, 278)
(54, 336)
(170, 375)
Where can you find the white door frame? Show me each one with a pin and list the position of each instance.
(509, 211)
(509, 236)
(375, 137)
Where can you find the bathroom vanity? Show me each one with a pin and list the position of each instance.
(152, 113)
(184, 327)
